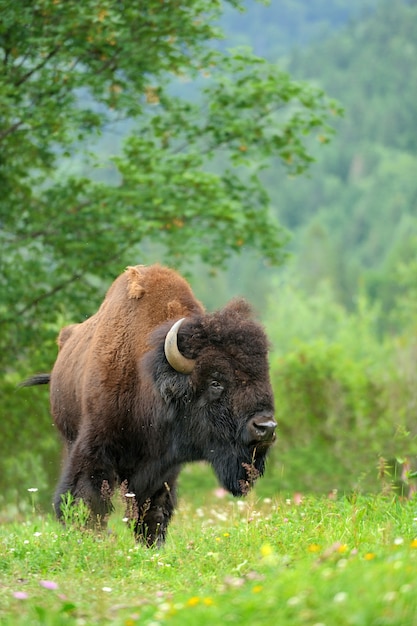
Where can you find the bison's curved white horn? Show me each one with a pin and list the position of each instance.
(178, 361)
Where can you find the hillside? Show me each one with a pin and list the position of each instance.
(353, 218)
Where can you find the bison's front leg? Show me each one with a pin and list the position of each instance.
(155, 513)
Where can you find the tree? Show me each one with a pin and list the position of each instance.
(187, 178)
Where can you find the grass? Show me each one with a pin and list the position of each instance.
(305, 561)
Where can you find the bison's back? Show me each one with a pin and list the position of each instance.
(95, 378)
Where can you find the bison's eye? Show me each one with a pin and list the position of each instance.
(215, 389)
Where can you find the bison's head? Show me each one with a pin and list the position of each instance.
(212, 372)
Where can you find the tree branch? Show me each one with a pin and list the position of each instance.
(75, 276)
(10, 130)
(42, 64)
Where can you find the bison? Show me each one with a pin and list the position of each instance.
(150, 382)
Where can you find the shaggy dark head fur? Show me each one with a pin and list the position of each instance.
(225, 406)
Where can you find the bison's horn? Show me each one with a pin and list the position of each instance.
(174, 357)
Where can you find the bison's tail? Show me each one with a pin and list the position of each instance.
(37, 379)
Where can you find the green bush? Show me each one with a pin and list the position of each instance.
(343, 401)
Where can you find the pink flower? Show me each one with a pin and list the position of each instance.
(220, 492)
(48, 584)
(297, 498)
(20, 595)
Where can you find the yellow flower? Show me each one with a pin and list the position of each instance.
(413, 544)
(314, 547)
(369, 556)
(208, 601)
(342, 548)
(193, 601)
(266, 549)
(226, 534)
(257, 589)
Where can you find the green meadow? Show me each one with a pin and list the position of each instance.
(302, 560)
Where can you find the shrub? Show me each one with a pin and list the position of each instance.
(342, 400)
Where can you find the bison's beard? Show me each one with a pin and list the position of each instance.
(238, 473)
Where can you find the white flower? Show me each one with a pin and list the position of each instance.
(340, 597)
(390, 596)
(107, 589)
(33, 489)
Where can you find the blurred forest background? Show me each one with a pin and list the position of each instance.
(335, 283)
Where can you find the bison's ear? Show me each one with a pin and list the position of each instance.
(176, 309)
(240, 307)
(134, 277)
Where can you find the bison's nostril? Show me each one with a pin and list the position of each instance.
(262, 429)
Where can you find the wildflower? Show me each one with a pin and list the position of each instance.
(220, 492)
(208, 601)
(33, 489)
(314, 547)
(369, 556)
(297, 498)
(390, 596)
(342, 548)
(106, 589)
(340, 597)
(48, 584)
(398, 541)
(193, 601)
(129, 495)
(37, 534)
(266, 550)
(20, 595)
(257, 589)
(232, 581)
(413, 544)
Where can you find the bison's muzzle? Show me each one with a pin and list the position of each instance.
(261, 429)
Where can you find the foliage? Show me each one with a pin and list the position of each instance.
(302, 560)
(65, 231)
(345, 398)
